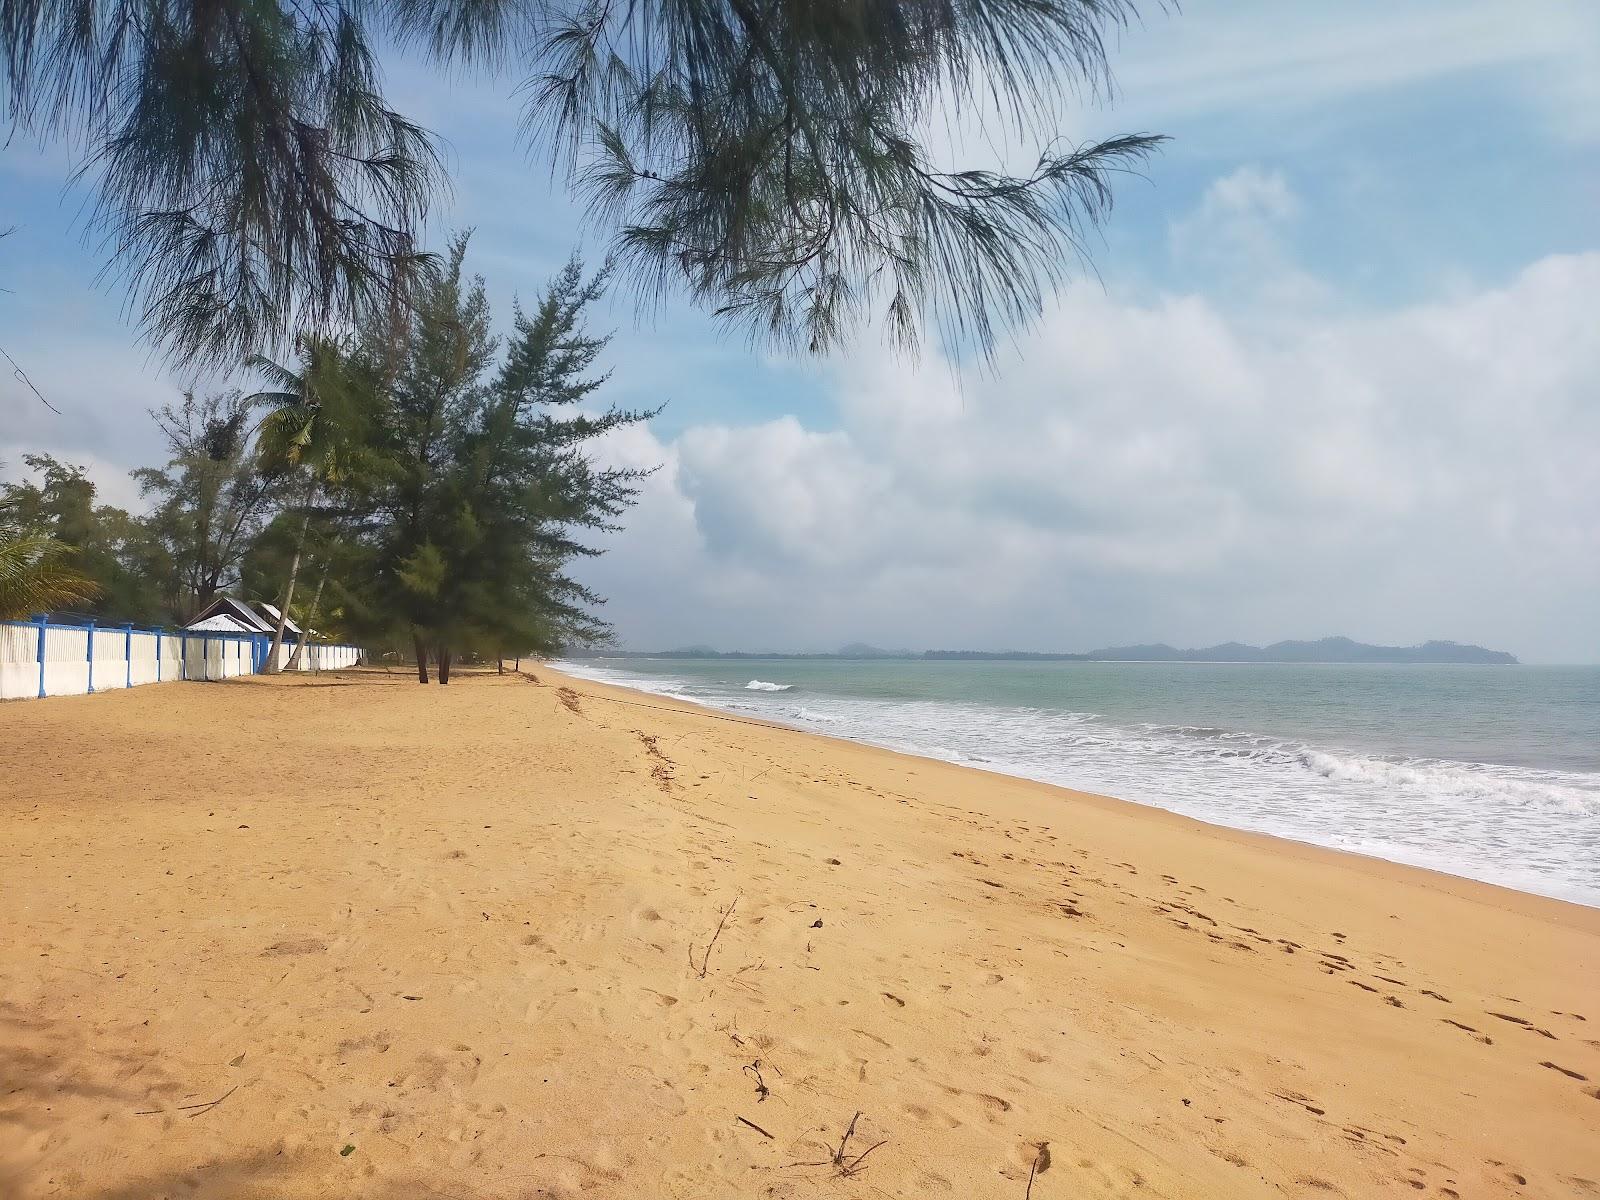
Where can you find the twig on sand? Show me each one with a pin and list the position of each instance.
(194, 1110)
(841, 1160)
(753, 1125)
(762, 1090)
(705, 959)
(1041, 1162)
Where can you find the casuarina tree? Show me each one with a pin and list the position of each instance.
(487, 485)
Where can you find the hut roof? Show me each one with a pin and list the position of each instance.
(248, 618)
(271, 610)
(221, 622)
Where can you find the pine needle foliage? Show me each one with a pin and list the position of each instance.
(250, 177)
(768, 157)
(483, 490)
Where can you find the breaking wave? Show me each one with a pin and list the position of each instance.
(761, 685)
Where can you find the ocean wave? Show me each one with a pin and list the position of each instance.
(813, 717)
(761, 685)
(1442, 780)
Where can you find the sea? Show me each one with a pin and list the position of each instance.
(1487, 772)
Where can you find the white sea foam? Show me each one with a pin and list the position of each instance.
(761, 685)
(1469, 781)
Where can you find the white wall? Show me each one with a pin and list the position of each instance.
(19, 662)
(124, 658)
(319, 657)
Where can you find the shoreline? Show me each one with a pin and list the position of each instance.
(1467, 882)
(504, 940)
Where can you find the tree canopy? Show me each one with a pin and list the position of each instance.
(435, 486)
(53, 529)
(766, 157)
(479, 484)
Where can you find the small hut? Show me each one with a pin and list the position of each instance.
(228, 615)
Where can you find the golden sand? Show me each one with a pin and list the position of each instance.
(351, 937)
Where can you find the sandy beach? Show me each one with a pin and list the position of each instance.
(523, 937)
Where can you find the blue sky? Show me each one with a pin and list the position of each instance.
(1330, 349)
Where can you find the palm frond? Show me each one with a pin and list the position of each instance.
(35, 577)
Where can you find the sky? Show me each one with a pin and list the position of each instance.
(1335, 368)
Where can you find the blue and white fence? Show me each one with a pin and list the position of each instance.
(42, 658)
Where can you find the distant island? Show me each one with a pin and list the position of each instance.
(1323, 650)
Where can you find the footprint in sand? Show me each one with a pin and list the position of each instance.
(1569, 1073)
(1526, 1024)
(293, 949)
(1482, 1037)
(928, 1116)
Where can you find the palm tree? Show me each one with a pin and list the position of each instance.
(765, 156)
(34, 576)
(315, 423)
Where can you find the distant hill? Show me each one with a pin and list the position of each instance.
(1324, 650)
(1001, 656)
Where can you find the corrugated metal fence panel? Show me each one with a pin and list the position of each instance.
(194, 656)
(171, 657)
(110, 658)
(19, 661)
(66, 661)
(142, 665)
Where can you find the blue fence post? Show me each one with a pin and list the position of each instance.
(158, 655)
(127, 652)
(44, 624)
(90, 653)
(183, 655)
(205, 658)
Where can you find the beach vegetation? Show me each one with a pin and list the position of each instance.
(36, 574)
(97, 543)
(210, 501)
(480, 484)
(418, 484)
(314, 430)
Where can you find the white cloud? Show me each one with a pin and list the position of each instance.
(1265, 56)
(1240, 240)
(1158, 470)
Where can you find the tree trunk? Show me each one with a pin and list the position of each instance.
(444, 664)
(422, 656)
(311, 615)
(288, 593)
